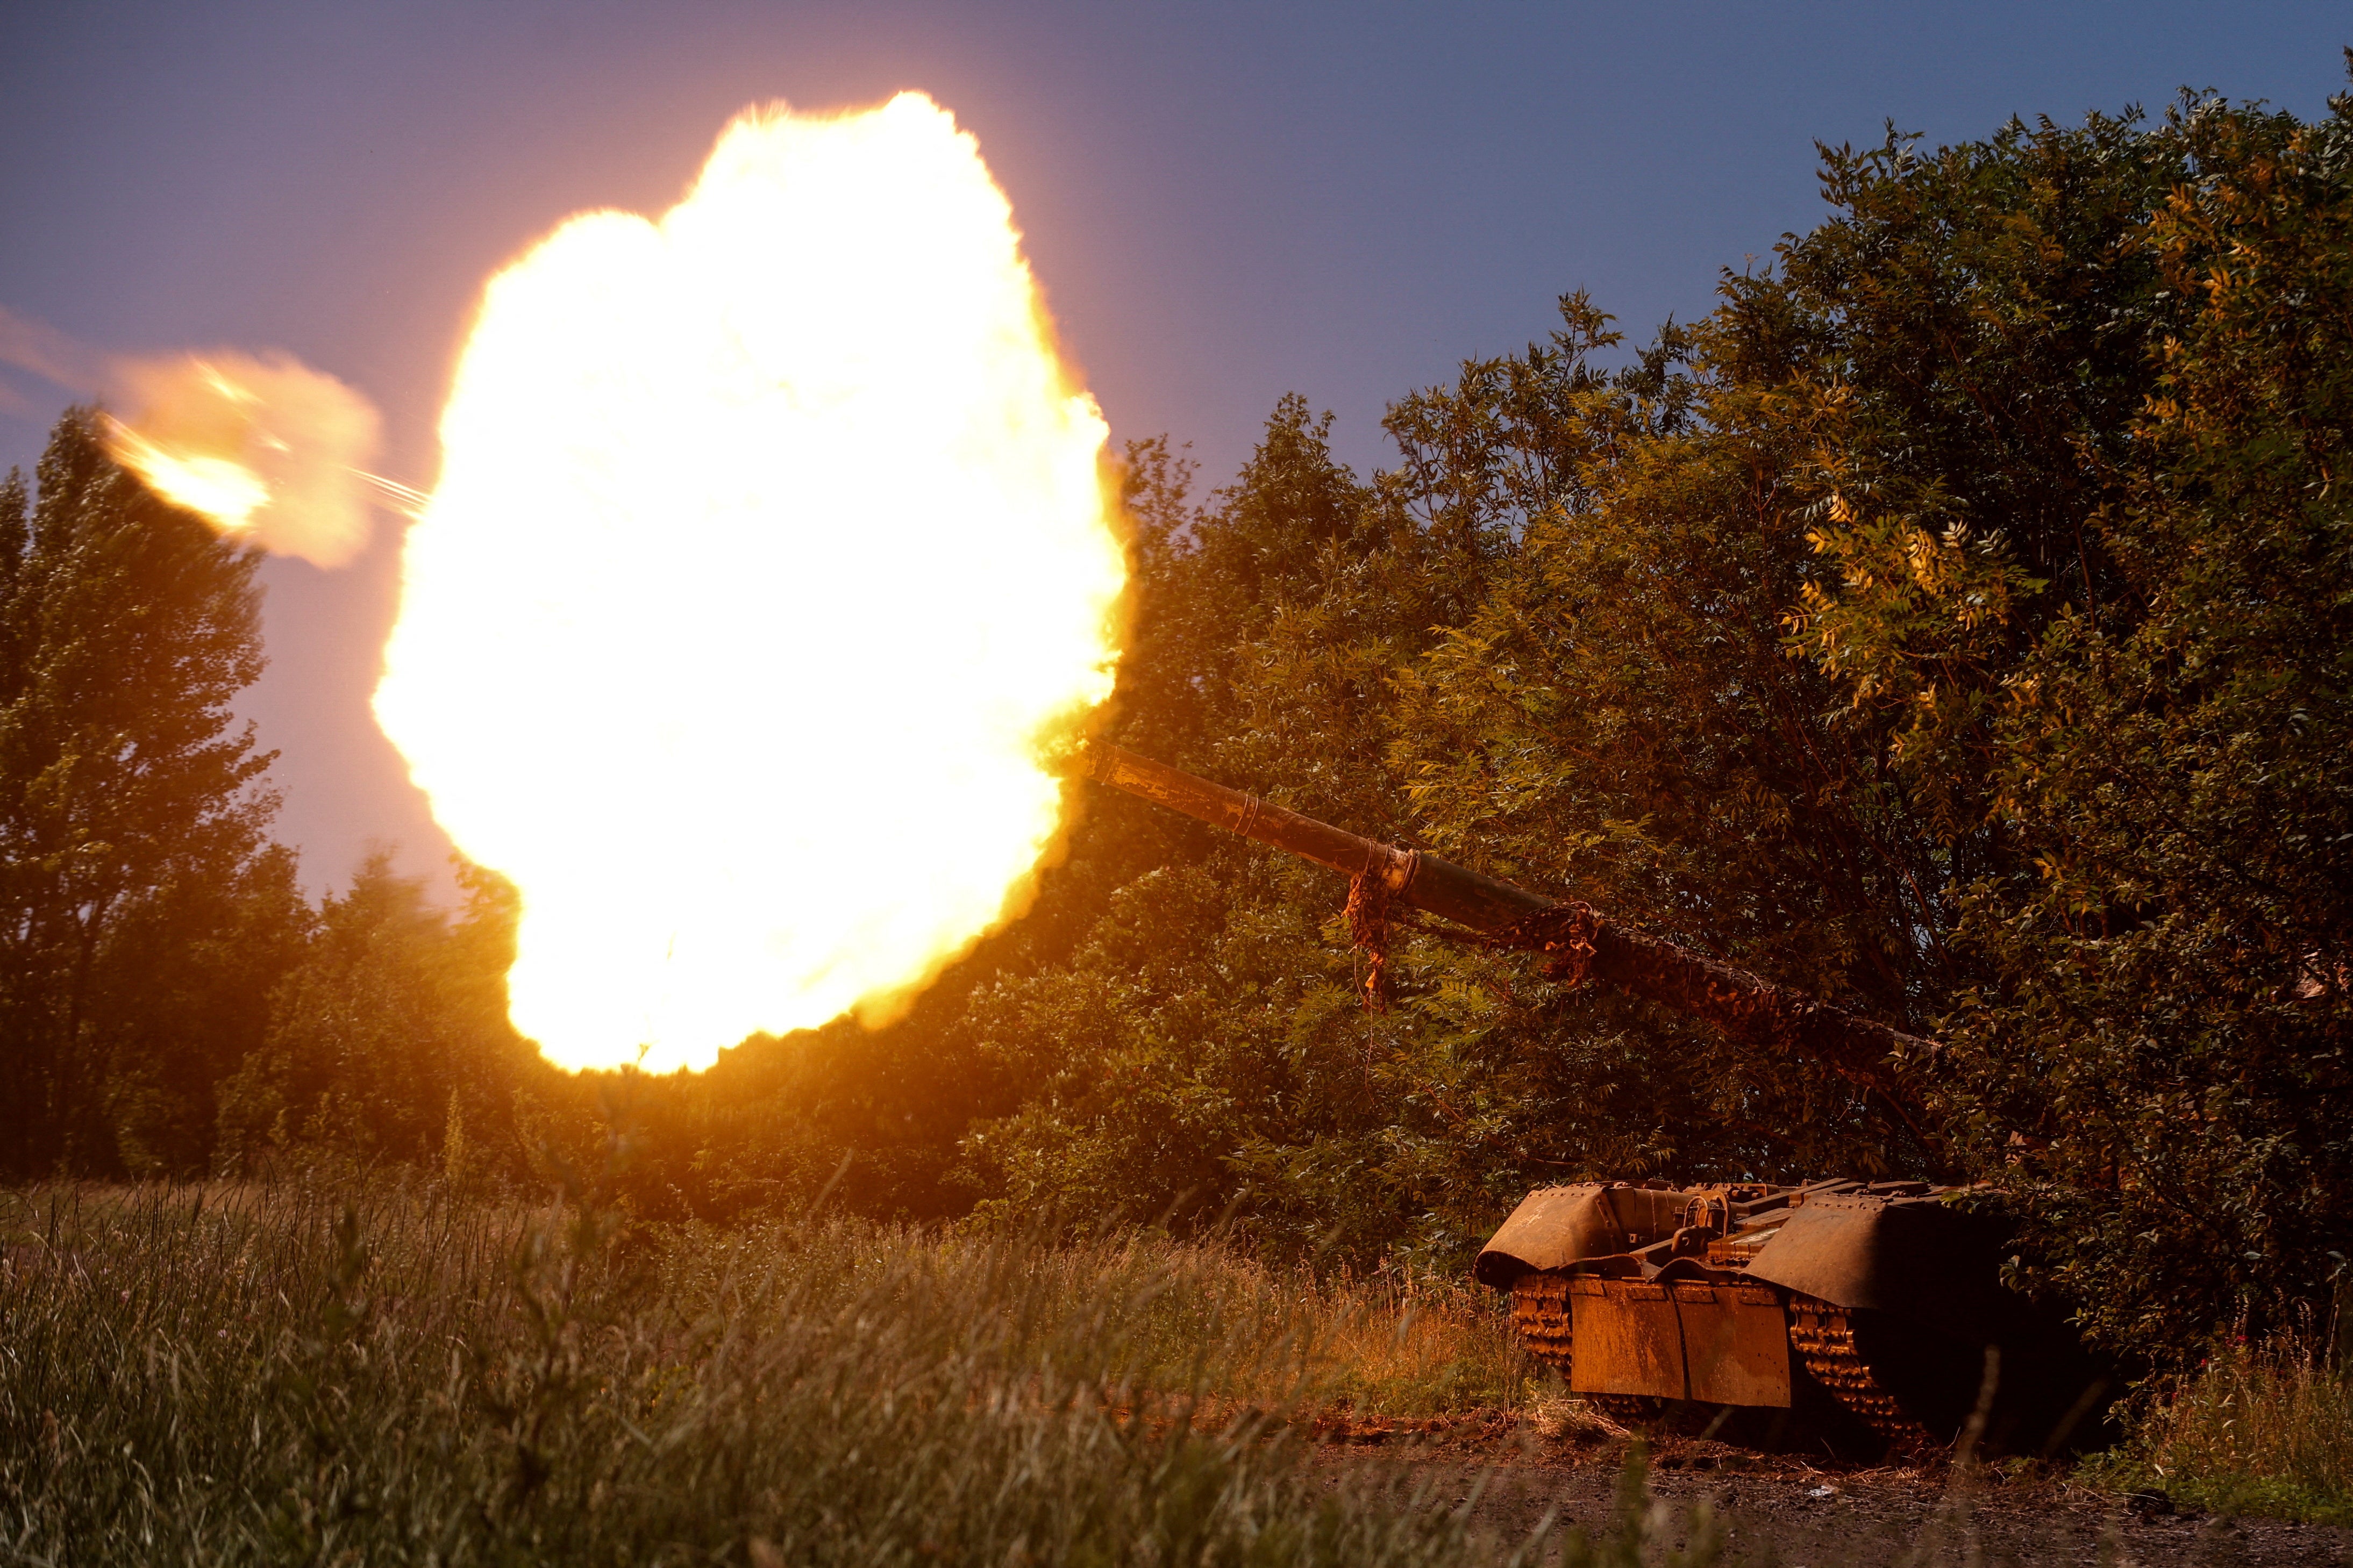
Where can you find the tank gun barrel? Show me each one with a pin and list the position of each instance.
(1429, 884)
(1742, 1004)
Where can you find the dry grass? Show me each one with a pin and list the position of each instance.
(2264, 1430)
(1397, 1345)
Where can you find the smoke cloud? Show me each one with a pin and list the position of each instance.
(270, 451)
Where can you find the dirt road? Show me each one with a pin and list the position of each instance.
(1801, 1513)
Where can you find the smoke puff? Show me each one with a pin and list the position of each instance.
(267, 449)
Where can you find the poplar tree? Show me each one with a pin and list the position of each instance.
(127, 789)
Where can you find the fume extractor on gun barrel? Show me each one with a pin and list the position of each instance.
(1877, 1306)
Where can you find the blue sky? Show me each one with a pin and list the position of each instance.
(1225, 202)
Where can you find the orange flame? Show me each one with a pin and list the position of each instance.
(770, 545)
(264, 449)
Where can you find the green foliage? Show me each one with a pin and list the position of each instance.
(1951, 623)
(141, 915)
(1201, 1051)
(1962, 353)
(185, 997)
(1617, 720)
(389, 1039)
(2177, 768)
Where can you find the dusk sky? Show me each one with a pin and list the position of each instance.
(1223, 202)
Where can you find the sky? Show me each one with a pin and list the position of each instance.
(1224, 201)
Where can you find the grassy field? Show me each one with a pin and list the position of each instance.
(336, 1371)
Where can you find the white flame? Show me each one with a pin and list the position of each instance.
(770, 540)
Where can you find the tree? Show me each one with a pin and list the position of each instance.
(183, 995)
(2066, 411)
(128, 795)
(388, 1037)
(1200, 1043)
(1617, 719)
(2159, 1066)
(1953, 623)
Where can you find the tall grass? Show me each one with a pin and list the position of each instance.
(344, 1373)
(1390, 1344)
(2262, 1430)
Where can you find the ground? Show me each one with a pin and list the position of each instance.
(1797, 1512)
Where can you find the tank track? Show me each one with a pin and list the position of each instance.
(1541, 1313)
(1823, 1337)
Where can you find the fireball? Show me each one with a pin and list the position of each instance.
(769, 551)
(264, 449)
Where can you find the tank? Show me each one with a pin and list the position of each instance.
(1852, 1312)
(1861, 1314)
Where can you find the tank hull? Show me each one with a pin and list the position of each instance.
(1873, 1311)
